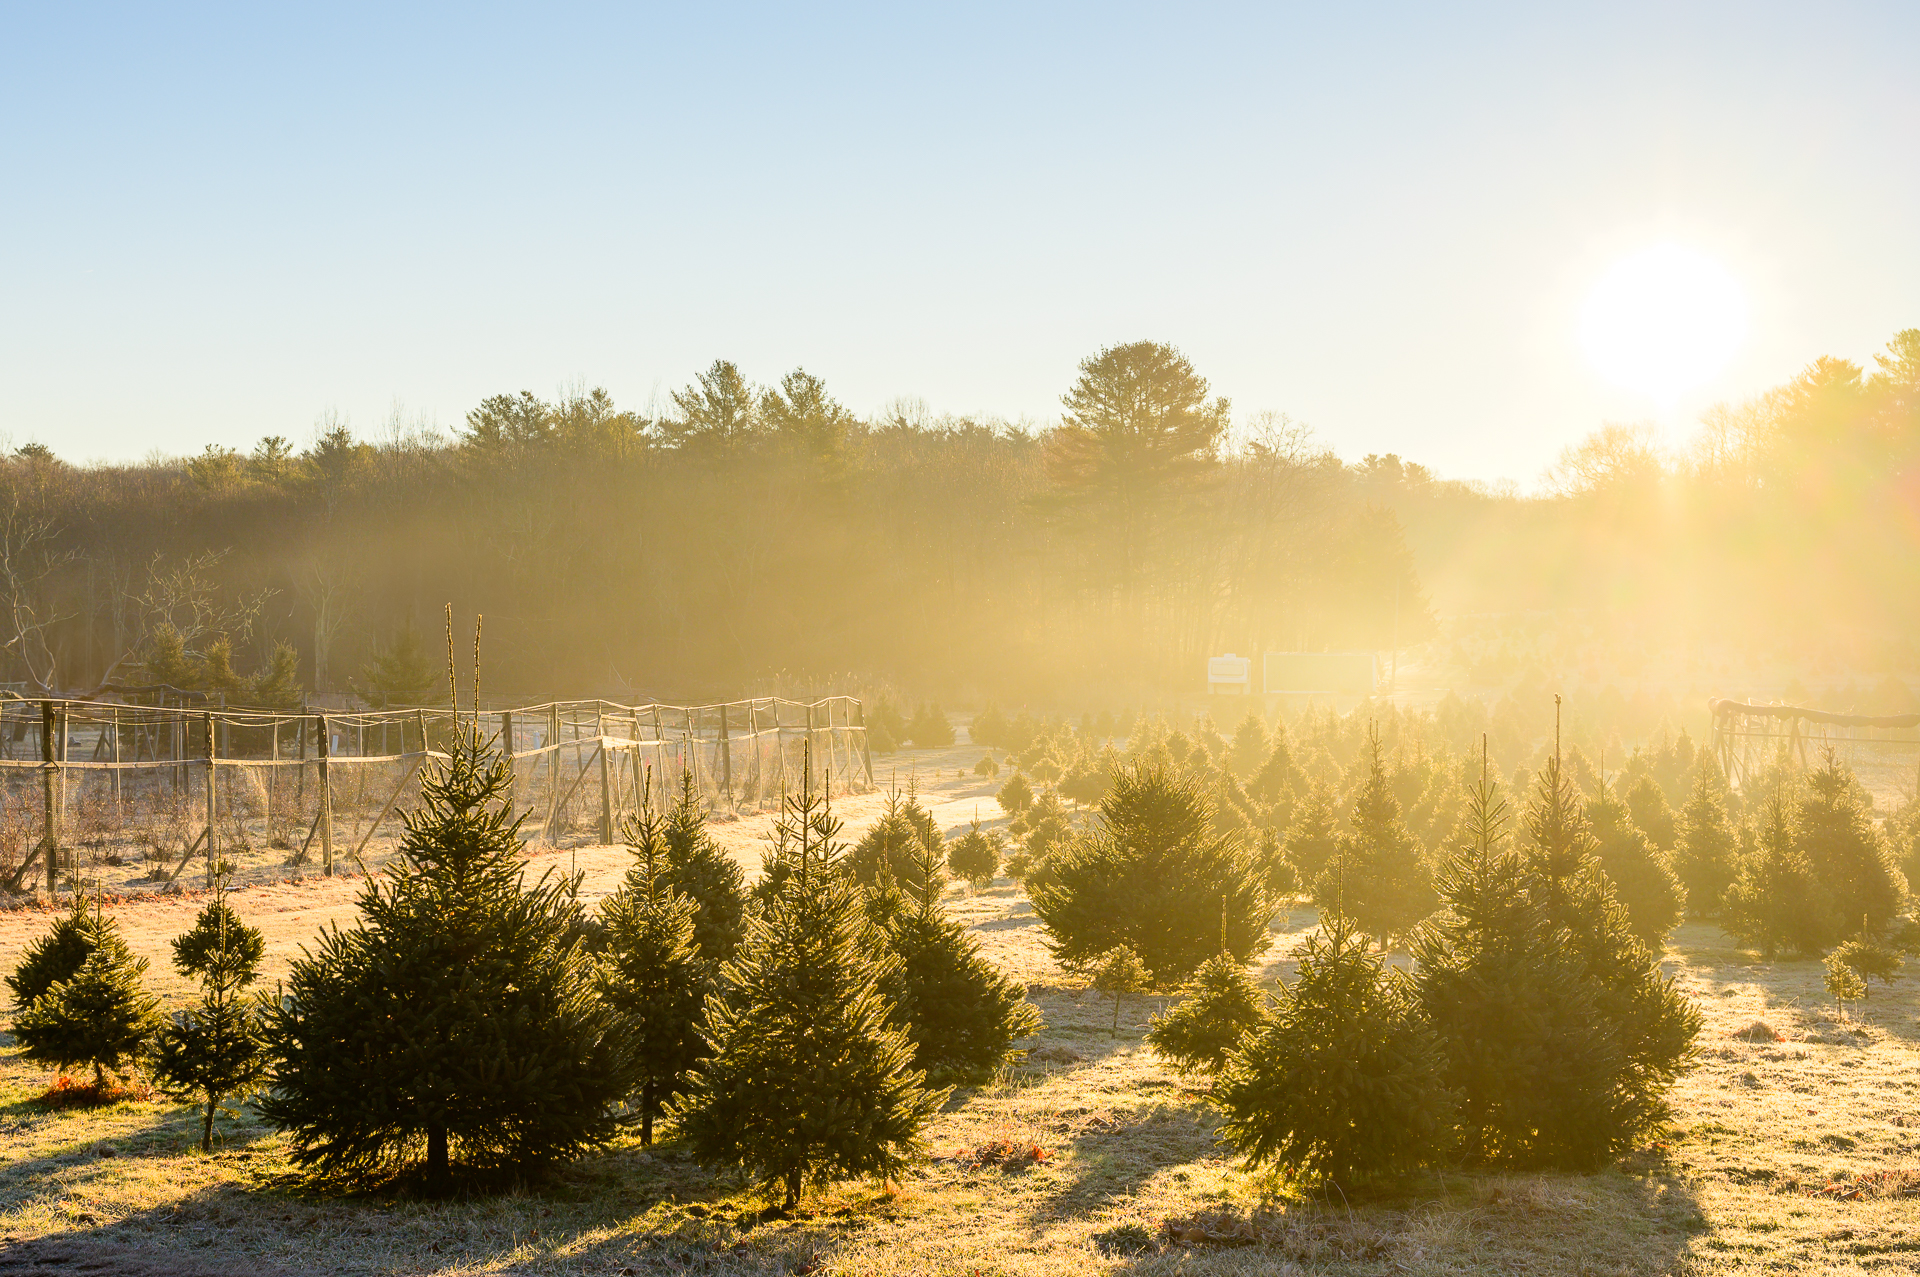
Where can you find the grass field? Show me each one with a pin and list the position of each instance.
(1798, 1155)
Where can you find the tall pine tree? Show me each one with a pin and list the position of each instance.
(1849, 857)
(807, 1083)
(1378, 879)
(1774, 901)
(458, 1018)
(1705, 845)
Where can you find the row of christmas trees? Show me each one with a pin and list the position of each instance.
(472, 1021)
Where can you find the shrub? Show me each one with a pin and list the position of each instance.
(1215, 1012)
(459, 1016)
(1869, 960)
(975, 856)
(214, 1050)
(986, 767)
(1155, 876)
(1342, 1082)
(807, 1082)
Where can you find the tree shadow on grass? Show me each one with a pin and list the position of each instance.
(1618, 1220)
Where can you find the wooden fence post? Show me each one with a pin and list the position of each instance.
(606, 795)
(726, 758)
(51, 791)
(553, 770)
(213, 751)
(866, 750)
(324, 733)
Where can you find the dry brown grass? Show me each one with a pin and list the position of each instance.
(1794, 1155)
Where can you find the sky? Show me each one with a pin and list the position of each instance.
(223, 223)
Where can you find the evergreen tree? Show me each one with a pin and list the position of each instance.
(929, 728)
(1705, 846)
(989, 728)
(60, 953)
(214, 1050)
(1154, 875)
(1342, 1081)
(695, 866)
(986, 768)
(1774, 901)
(1215, 1012)
(1649, 1022)
(962, 1014)
(1279, 782)
(1313, 836)
(458, 1017)
(1868, 959)
(1250, 748)
(1642, 880)
(653, 976)
(402, 673)
(1378, 880)
(891, 849)
(1516, 1018)
(1843, 981)
(807, 1082)
(1648, 809)
(975, 856)
(1016, 795)
(1117, 972)
(1849, 858)
(97, 1013)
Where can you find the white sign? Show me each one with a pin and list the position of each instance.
(1229, 669)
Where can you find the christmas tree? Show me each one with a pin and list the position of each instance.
(961, 1013)
(1774, 901)
(694, 865)
(1342, 1082)
(213, 1050)
(1250, 748)
(1705, 847)
(1118, 971)
(1016, 795)
(93, 1011)
(458, 1018)
(1869, 960)
(1378, 880)
(1647, 807)
(1154, 875)
(401, 673)
(929, 728)
(1642, 880)
(893, 846)
(1313, 835)
(1850, 859)
(653, 975)
(807, 1082)
(1215, 1012)
(975, 856)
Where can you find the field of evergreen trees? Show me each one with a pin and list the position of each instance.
(1120, 993)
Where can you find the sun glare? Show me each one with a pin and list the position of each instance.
(1662, 321)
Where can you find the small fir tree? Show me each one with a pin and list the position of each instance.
(1117, 972)
(1313, 836)
(1216, 1011)
(653, 975)
(60, 953)
(1154, 874)
(1648, 809)
(1342, 1082)
(807, 1082)
(1870, 960)
(1379, 880)
(1279, 782)
(1705, 845)
(1016, 795)
(989, 728)
(929, 728)
(695, 866)
(962, 1014)
(986, 768)
(1849, 858)
(1843, 980)
(98, 1013)
(1774, 901)
(886, 727)
(1642, 880)
(401, 673)
(892, 848)
(458, 1018)
(975, 856)
(214, 1050)
(1250, 748)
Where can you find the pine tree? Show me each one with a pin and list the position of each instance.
(1512, 1010)
(1313, 836)
(1642, 880)
(95, 1012)
(807, 1082)
(961, 1013)
(1843, 981)
(1279, 782)
(695, 866)
(975, 856)
(1216, 1011)
(458, 1018)
(986, 768)
(989, 728)
(891, 848)
(1378, 879)
(1834, 828)
(1154, 875)
(653, 976)
(1342, 1082)
(1868, 959)
(401, 673)
(214, 1050)
(929, 728)
(1016, 795)
(1648, 809)
(1250, 748)
(1774, 900)
(1117, 972)
(1705, 846)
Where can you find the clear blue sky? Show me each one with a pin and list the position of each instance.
(219, 224)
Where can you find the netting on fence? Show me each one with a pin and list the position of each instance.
(120, 797)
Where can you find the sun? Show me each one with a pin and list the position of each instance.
(1663, 320)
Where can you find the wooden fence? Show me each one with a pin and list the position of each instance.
(98, 791)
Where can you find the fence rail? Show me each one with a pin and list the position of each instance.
(255, 793)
